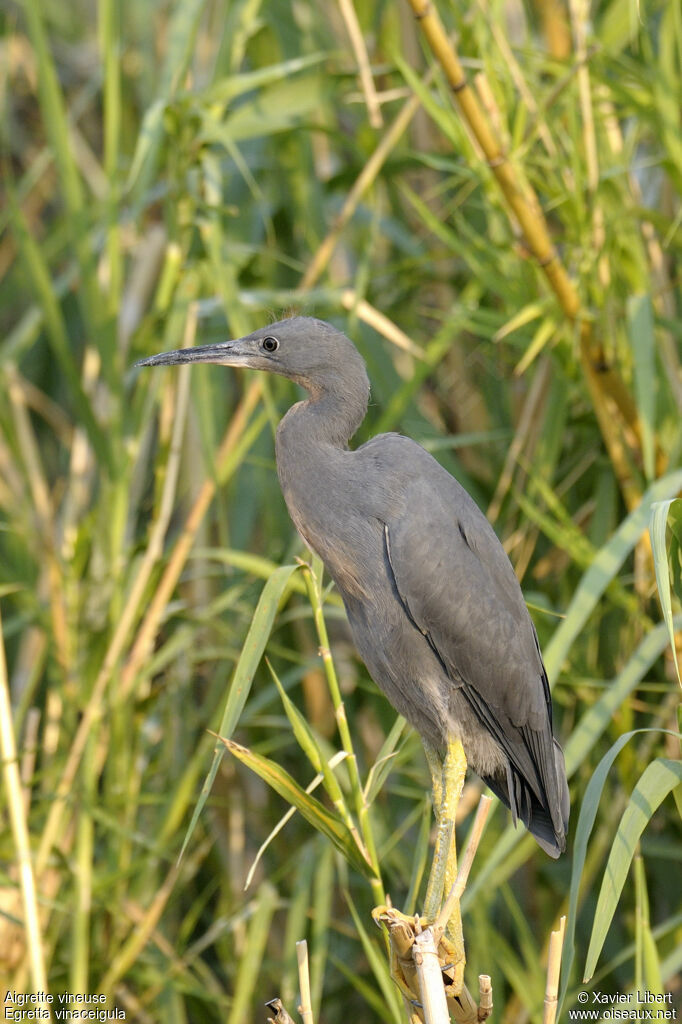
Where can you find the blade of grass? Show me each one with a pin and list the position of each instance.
(327, 822)
(647, 964)
(657, 527)
(240, 686)
(597, 718)
(308, 744)
(56, 332)
(182, 32)
(110, 45)
(658, 779)
(310, 788)
(603, 569)
(313, 578)
(586, 820)
(323, 894)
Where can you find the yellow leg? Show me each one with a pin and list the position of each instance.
(448, 779)
(436, 768)
(447, 793)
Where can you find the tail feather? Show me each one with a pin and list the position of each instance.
(549, 825)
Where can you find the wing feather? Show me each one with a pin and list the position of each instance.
(457, 586)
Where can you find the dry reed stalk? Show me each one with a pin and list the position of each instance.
(414, 971)
(534, 400)
(521, 201)
(580, 13)
(556, 943)
(357, 41)
(19, 825)
(555, 27)
(305, 1009)
(525, 92)
(430, 978)
(381, 323)
(45, 531)
(362, 183)
(485, 996)
(459, 885)
(615, 410)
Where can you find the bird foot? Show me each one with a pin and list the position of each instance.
(402, 931)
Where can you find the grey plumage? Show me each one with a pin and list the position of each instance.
(434, 606)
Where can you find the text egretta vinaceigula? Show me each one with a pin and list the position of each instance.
(433, 603)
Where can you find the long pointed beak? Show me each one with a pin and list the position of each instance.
(229, 353)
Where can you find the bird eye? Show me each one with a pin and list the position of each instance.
(270, 344)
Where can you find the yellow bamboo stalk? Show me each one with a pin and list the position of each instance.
(522, 202)
(607, 391)
(555, 28)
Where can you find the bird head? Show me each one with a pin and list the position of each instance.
(308, 351)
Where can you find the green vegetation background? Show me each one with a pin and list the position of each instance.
(170, 175)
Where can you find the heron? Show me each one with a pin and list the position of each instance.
(433, 604)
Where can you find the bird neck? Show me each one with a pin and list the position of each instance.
(331, 414)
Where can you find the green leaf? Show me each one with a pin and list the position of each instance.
(530, 312)
(307, 742)
(148, 141)
(276, 109)
(179, 50)
(586, 820)
(287, 816)
(598, 717)
(657, 780)
(224, 90)
(56, 331)
(53, 107)
(619, 25)
(324, 820)
(604, 568)
(254, 645)
(640, 322)
(380, 769)
(657, 525)
(321, 910)
(542, 336)
(647, 963)
(443, 116)
(252, 651)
